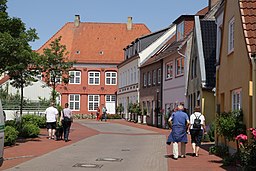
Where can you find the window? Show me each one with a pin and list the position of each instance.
(55, 75)
(231, 28)
(74, 102)
(111, 78)
(180, 31)
(131, 77)
(149, 78)
(110, 98)
(75, 77)
(94, 78)
(154, 77)
(179, 66)
(169, 68)
(159, 76)
(144, 80)
(236, 99)
(93, 102)
(135, 71)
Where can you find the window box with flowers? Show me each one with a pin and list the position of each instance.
(247, 150)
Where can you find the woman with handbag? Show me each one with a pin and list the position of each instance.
(66, 121)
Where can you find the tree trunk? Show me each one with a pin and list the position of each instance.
(21, 103)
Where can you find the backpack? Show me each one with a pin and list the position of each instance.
(197, 123)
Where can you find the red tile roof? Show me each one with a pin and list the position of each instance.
(203, 11)
(248, 14)
(97, 42)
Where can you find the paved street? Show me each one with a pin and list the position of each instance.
(108, 146)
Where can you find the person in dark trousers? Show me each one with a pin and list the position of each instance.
(66, 121)
(196, 131)
(104, 113)
(179, 121)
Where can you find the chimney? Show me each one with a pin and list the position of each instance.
(129, 23)
(211, 3)
(77, 20)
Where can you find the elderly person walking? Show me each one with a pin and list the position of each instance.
(179, 122)
(51, 118)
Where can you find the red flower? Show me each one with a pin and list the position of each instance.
(241, 137)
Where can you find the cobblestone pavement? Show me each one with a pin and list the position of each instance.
(111, 145)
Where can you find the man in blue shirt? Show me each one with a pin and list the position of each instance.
(179, 122)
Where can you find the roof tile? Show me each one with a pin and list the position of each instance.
(97, 42)
(248, 14)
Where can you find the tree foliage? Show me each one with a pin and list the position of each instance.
(16, 55)
(56, 65)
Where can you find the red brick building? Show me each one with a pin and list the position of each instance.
(97, 49)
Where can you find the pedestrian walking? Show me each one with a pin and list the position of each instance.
(197, 127)
(179, 124)
(104, 113)
(98, 114)
(51, 118)
(67, 121)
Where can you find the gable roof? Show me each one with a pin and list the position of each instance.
(208, 29)
(92, 42)
(157, 45)
(248, 15)
(205, 44)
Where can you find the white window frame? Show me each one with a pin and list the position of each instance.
(149, 78)
(179, 69)
(110, 98)
(154, 77)
(58, 80)
(231, 29)
(112, 79)
(144, 79)
(159, 75)
(95, 103)
(75, 101)
(180, 31)
(75, 77)
(169, 70)
(236, 99)
(93, 77)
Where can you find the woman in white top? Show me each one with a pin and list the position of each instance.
(197, 127)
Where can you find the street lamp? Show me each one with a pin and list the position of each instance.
(157, 106)
(253, 58)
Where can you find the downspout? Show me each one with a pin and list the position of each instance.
(253, 58)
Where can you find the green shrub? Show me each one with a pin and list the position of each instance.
(10, 135)
(220, 151)
(40, 121)
(211, 132)
(10, 123)
(113, 116)
(206, 138)
(29, 130)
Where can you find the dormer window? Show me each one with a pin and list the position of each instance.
(180, 31)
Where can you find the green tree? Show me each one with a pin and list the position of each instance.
(56, 65)
(16, 55)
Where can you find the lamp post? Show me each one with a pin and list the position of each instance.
(157, 106)
(253, 58)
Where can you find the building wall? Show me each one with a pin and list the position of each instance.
(84, 89)
(234, 69)
(173, 89)
(208, 100)
(128, 84)
(150, 93)
(31, 92)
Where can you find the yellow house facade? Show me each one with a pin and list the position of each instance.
(234, 69)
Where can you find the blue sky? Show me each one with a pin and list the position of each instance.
(48, 16)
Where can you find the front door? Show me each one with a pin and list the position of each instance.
(111, 104)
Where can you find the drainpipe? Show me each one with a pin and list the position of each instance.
(253, 58)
